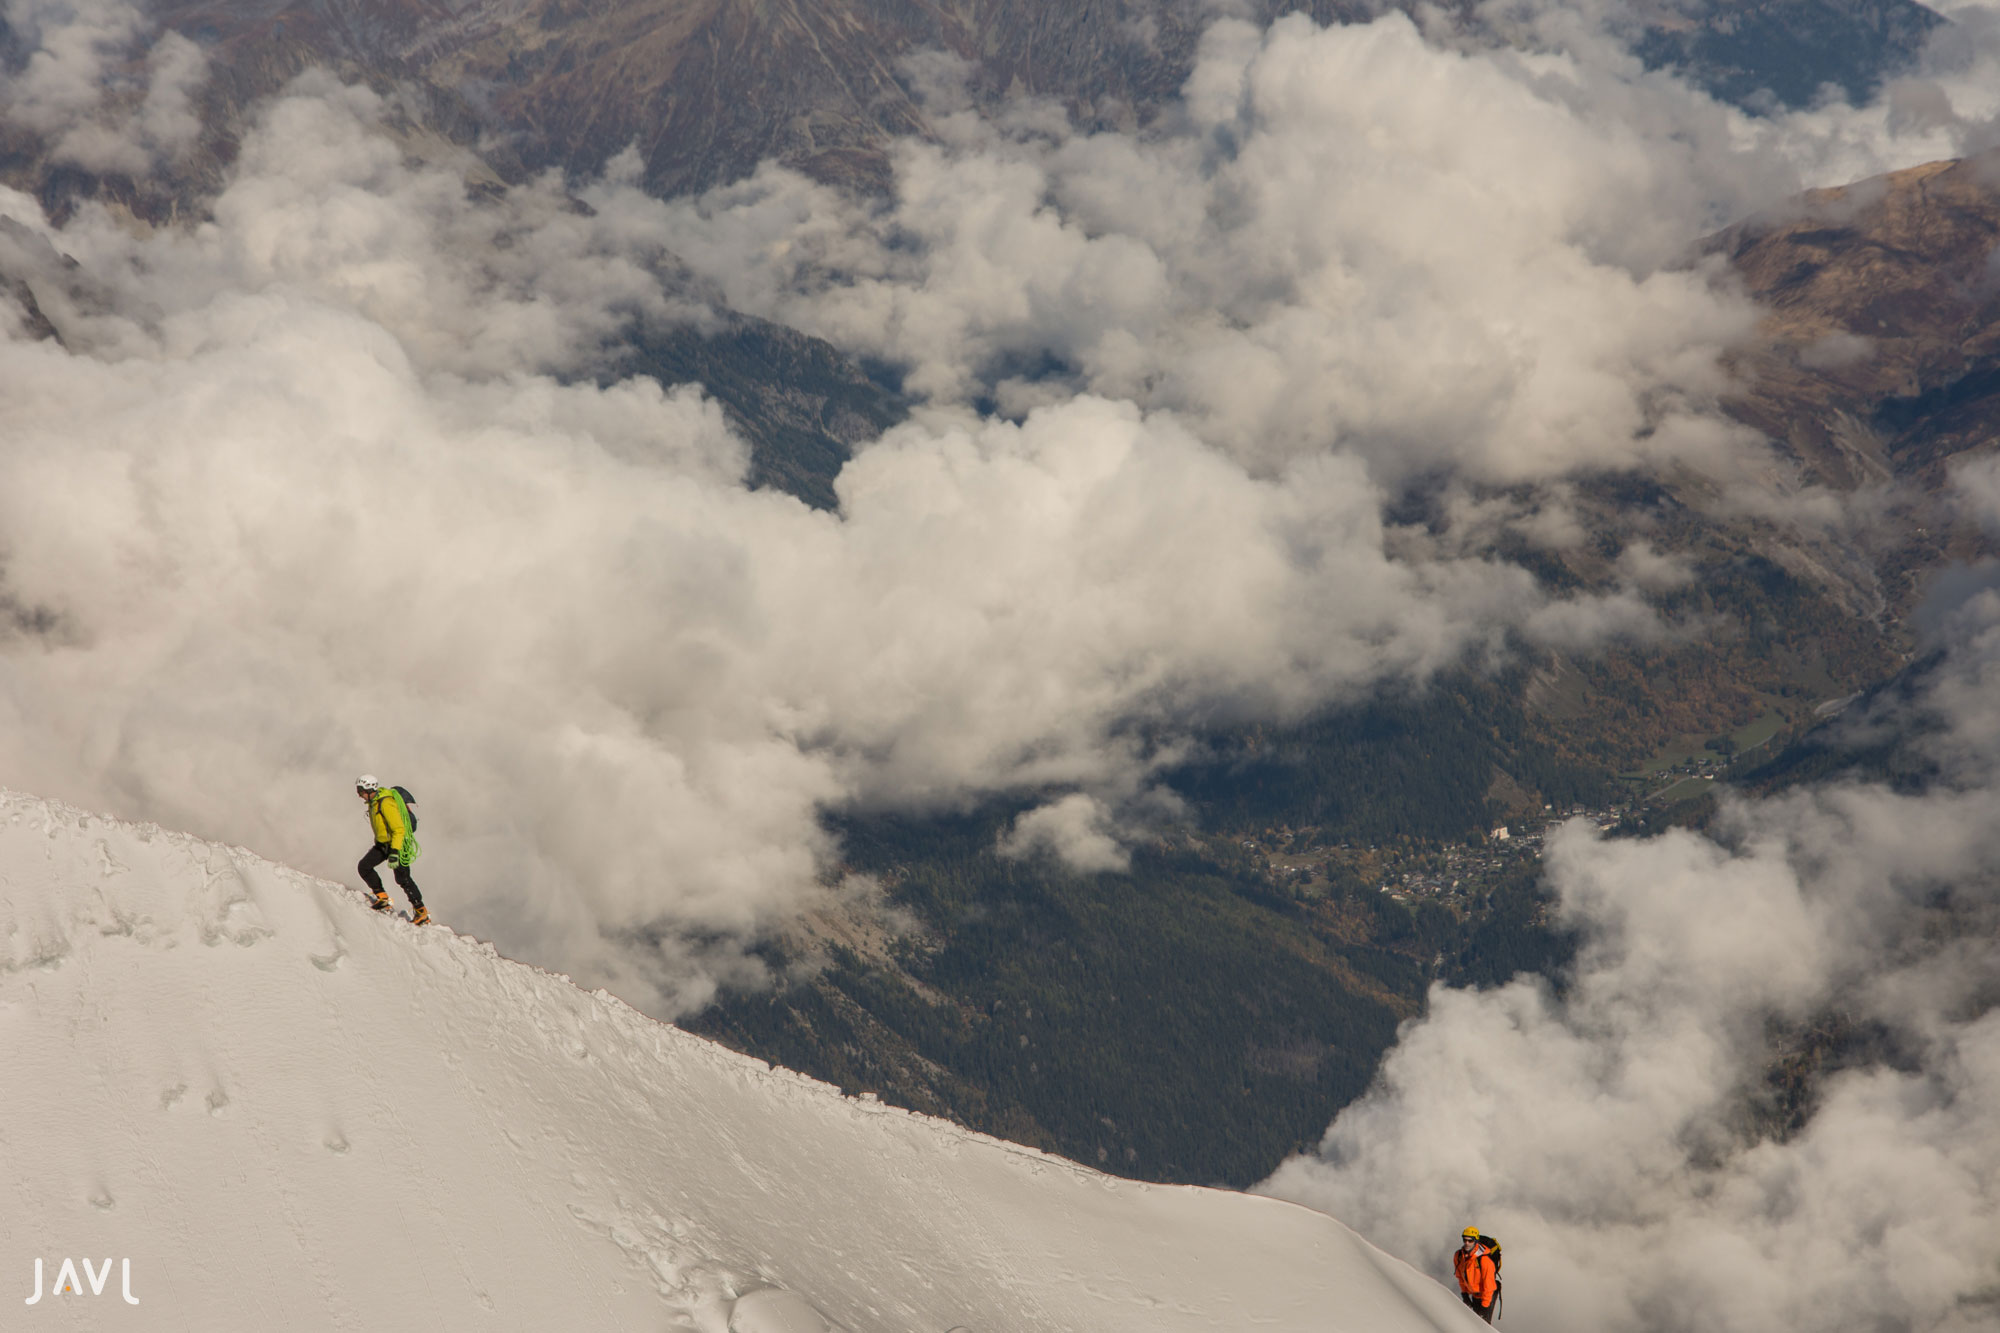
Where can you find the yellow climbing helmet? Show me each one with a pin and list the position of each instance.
(1470, 1233)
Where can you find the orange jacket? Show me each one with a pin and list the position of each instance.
(1476, 1275)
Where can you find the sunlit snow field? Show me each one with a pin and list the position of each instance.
(291, 1113)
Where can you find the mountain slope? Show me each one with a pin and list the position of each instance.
(1787, 51)
(287, 1112)
(706, 89)
(1881, 351)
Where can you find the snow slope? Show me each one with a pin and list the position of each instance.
(290, 1113)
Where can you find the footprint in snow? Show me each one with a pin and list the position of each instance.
(776, 1310)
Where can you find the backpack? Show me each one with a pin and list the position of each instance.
(1492, 1248)
(409, 800)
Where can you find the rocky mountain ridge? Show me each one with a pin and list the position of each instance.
(1882, 352)
(706, 89)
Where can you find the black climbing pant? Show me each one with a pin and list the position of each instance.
(376, 856)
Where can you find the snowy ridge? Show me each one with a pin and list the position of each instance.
(289, 1112)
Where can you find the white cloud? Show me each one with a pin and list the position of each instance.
(1350, 240)
(1978, 486)
(1653, 570)
(1077, 830)
(300, 495)
(109, 92)
(1459, 264)
(1836, 351)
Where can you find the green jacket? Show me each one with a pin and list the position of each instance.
(394, 828)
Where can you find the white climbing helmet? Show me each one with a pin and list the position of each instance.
(367, 782)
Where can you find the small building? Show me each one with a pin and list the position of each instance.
(1500, 834)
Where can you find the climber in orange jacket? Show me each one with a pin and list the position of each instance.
(1478, 1275)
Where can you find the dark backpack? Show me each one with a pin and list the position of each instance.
(1492, 1248)
(409, 800)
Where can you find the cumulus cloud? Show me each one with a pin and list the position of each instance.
(1978, 487)
(108, 91)
(1945, 106)
(1348, 239)
(329, 482)
(1076, 830)
(329, 202)
(1462, 263)
(1653, 570)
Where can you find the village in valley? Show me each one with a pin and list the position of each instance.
(1304, 866)
(1410, 870)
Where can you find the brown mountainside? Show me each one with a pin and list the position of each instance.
(1884, 333)
(708, 88)
(1880, 359)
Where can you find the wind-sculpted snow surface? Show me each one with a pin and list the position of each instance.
(288, 1112)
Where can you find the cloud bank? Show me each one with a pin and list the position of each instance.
(1345, 240)
(306, 489)
(334, 480)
